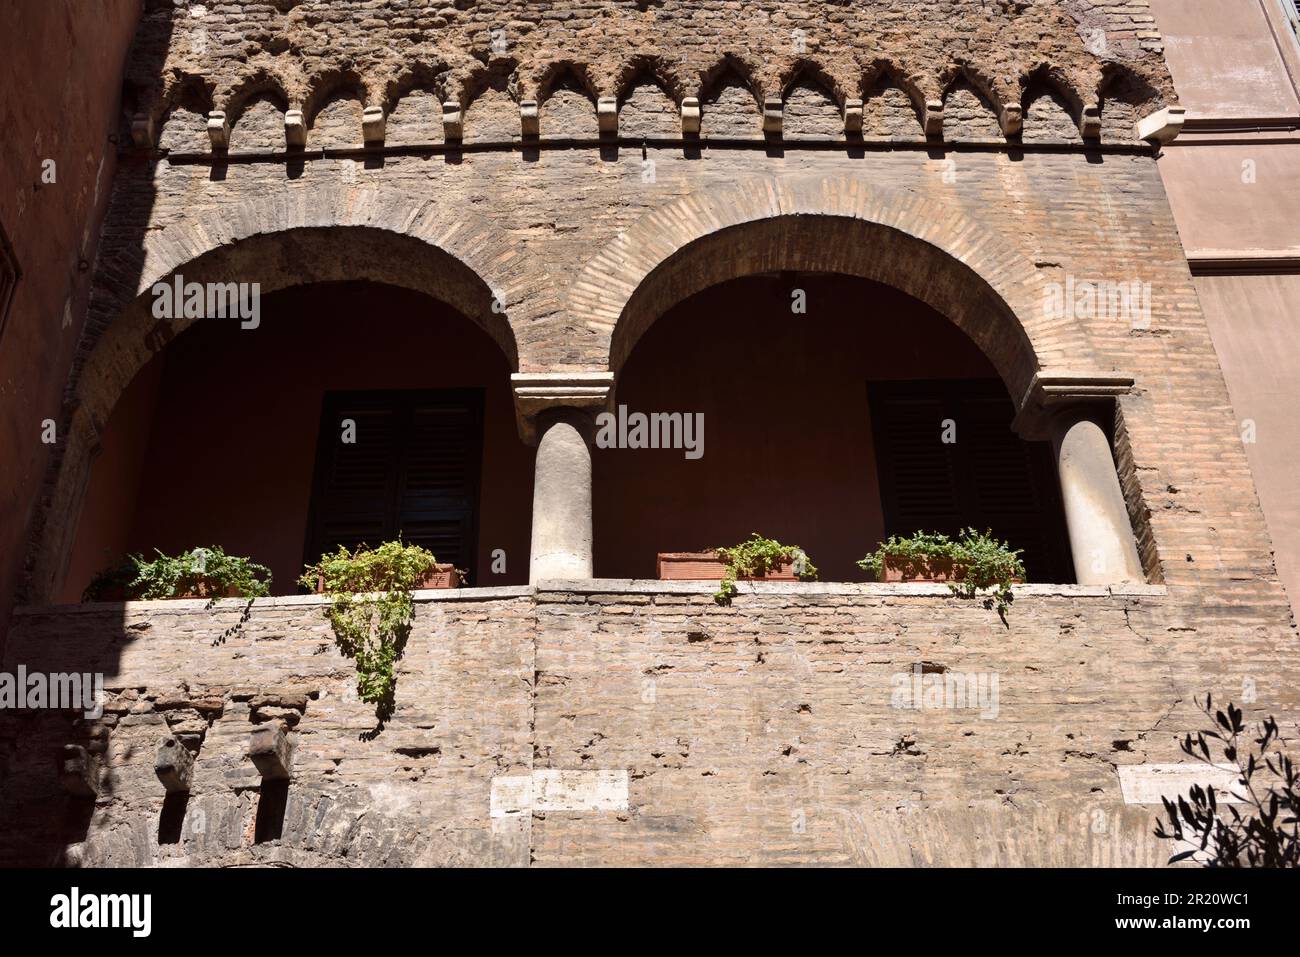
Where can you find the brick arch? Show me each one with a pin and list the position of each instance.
(282, 241)
(842, 224)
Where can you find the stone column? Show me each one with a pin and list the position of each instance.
(1101, 536)
(561, 547)
(1067, 408)
(557, 413)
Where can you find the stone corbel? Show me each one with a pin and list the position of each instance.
(142, 131)
(853, 117)
(691, 116)
(1162, 126)
(173, 764)
(1049, 393)
(933, 119)
(1011, 119)
(529, 121)
(539, 392)
(295, 129)
(79, 770)
(773, 115)
(1090, 122)
(453, 122)
(607, 116)
(218, 130)
(270, 752)
(373, 124)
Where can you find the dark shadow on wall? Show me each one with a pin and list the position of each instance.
(47, 757)
(120, 256)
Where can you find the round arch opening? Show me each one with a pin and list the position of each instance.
(221, 438)
(831, 410)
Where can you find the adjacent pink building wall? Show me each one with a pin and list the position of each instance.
(61, 65)
(1225, 58)
(1255, 324)
(1234, 199)
(1233, 179)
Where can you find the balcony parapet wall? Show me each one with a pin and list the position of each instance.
(639, 722)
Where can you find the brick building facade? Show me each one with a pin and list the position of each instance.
(554, 189)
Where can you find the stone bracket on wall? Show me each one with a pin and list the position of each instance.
(1163, 126)
(539, 392)
(1051, 392)
(174, 765)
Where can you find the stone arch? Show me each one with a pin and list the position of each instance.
(648, 68)
(183, 128)
(840, 224)
(279, 242)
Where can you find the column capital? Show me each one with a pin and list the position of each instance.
(540, 392)
(1052, 393)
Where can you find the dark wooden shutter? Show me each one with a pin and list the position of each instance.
(989, 478)
(412, 473)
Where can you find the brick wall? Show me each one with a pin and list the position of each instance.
(762, 733)
(775, 712)
(417, 794)
(534, 225)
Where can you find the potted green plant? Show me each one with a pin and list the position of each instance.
(437, 575)
(758, 558)
(970, 564)
(206, 572)
(113, 583)
(371, 609)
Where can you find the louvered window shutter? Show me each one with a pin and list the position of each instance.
(413, 473)
(989, 478)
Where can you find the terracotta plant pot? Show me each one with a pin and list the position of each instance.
(439, 576)
(937, 570)
(706, 567)
(201, 590)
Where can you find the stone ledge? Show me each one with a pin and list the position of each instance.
(648, 586)
(605, 586)
(187, 605)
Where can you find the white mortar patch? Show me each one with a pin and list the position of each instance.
(1148, 783)
(511, 795)
(552, 790)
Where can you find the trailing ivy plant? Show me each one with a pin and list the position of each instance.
(206, 572)
(1266, 831)
(371, 609)
(755, 558)
(980, 563)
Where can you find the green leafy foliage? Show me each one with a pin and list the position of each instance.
(371, 609)
(113, 583)
(206, 572)
(980, 563)
(1263, 829)
(755, 558)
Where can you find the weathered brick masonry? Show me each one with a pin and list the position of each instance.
(760, 733)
